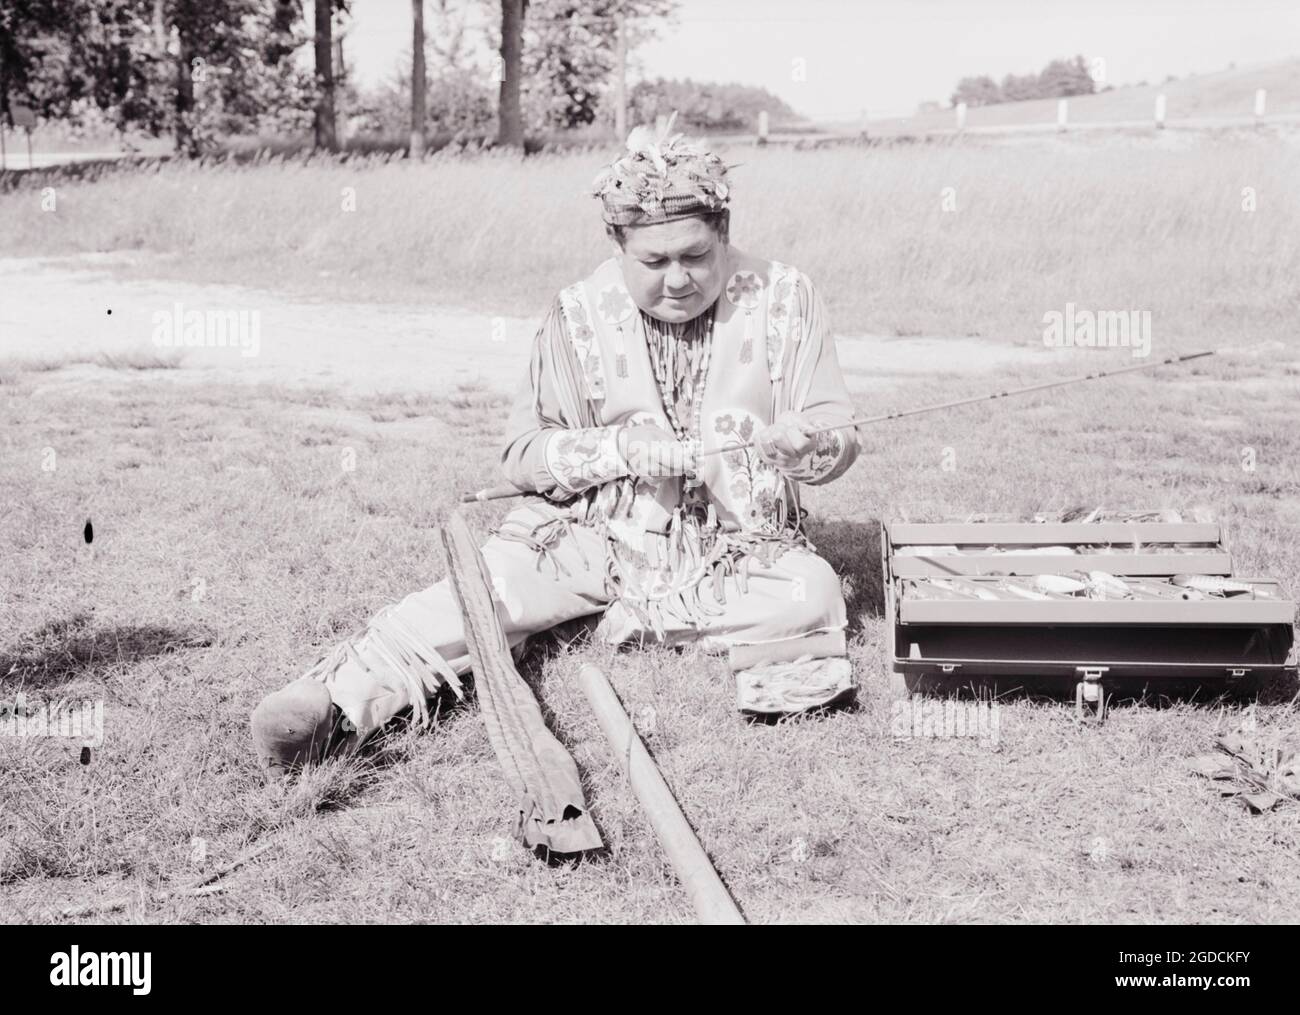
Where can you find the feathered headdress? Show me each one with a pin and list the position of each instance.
(661, 178)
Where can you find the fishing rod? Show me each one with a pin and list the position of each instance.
(978, 398)
(500, 492)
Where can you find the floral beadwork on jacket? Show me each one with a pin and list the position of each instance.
(751, 481)
(579, 459)
(577, 320)
(827, 450)
(782, 323)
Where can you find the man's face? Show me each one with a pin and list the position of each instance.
(674, 270)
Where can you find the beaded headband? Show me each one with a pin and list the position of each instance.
(660, 178)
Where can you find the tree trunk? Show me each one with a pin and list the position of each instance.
(325, 136)
(417, 79)
(510, 121)
(620, 80)
(159, 26)
(185, 143)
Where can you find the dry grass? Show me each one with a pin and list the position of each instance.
(231, 549)
(141, 359)
(1126, 224)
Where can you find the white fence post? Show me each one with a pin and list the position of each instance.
(1261, 96)
(1160, 110)
(762, 126)
(961, 116)
(1062, 114)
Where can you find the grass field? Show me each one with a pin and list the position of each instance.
(1121, 225)
(231, 550)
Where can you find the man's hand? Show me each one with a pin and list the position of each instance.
(651, 452)
(786, 443)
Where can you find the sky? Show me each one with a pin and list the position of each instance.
(839, 59)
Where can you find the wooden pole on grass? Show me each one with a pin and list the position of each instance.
(712, 902)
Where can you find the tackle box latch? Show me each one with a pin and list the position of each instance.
(1237, 672)
(949, 667)
(1089, 690)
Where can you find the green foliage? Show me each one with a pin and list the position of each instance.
(195, 68)
(705, 106)
(570, 56)
(29, 44)
(455, 103)
(1058, 79)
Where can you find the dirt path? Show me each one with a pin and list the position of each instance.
(54, 309)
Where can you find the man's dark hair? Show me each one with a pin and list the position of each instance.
(719, 221)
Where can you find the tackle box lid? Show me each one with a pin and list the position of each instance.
(1140, 595)
(998, 572)
(1120, 548)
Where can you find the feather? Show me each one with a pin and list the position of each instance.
(640, 139)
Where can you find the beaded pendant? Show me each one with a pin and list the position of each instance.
(742, 291)
(616, 308)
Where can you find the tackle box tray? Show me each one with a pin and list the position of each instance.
(1077, 603)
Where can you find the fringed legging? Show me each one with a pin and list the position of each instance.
(546, 570)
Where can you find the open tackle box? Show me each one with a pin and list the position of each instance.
(1103, 605)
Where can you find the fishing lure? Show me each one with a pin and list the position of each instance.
(1102, 585)
(1032, 550)
(950, 586)
(1016, 589)
(1214, 585)
(1058, 584)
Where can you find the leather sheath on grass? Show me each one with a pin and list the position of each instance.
(552, 809)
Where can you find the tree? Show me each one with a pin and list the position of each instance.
(704, 105)
(326, 136)
(460, 96)
(566, 52)
(1062, 78)
(568, 55)
(419, 88)
(977, 91)
(510, 130)
(620, 75)
(576, 55)
(1058, 79)
(223, 80)
(28, 38)
(1018, 88)
(194, 68)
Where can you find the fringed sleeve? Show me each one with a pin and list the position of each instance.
(551, 410)
(818, 391)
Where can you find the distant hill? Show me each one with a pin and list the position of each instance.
(1218, 95)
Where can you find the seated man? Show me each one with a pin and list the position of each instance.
(667, 421)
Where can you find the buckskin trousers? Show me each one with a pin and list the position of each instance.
(551, 571)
